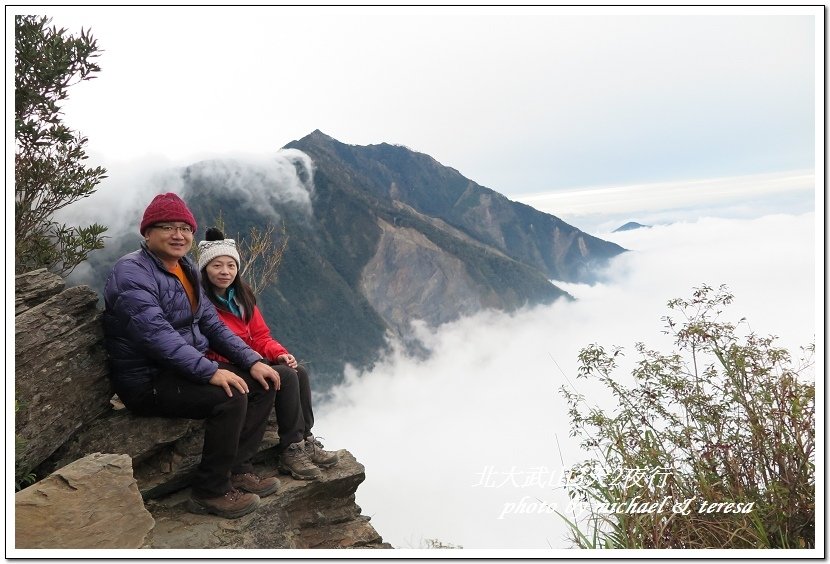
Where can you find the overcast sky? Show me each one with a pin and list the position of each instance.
(520, 100)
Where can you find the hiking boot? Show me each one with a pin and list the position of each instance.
(322, 458)
(250, 482)
(294, 461)
(233, 504)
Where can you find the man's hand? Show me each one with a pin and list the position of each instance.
(261, 372)
(226, 379)
(287, 359)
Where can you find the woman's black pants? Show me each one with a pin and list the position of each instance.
(293, 405)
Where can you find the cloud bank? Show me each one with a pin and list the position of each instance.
(468, 445)
(603, 209)
(286, 176)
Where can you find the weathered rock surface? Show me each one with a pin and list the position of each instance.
(302, 514)
(60, 368)
(90, 503)
(90, 500)
(164, 450)
(32, 288)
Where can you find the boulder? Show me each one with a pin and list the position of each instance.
(90, 503)
(60, 372)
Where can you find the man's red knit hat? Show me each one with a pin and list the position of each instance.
(167, 207)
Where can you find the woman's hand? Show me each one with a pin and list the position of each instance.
(287, 359)
(261, 372)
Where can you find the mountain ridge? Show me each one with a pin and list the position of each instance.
(382, 237)
(461, 202)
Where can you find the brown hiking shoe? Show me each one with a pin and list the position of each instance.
(294, 461)
(322, 458)
(233, 504)
(252, 483)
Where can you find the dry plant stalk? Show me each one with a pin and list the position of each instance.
(263, 252)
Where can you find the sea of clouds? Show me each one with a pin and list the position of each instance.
(468, 447)
(603, 209)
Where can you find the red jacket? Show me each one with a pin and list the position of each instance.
(255, 333)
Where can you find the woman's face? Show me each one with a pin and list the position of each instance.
(221, 273)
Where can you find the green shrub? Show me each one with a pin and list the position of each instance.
(50, 172)
(724, 419)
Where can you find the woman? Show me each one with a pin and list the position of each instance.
(300, 453)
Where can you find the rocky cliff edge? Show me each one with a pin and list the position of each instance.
(66, 417)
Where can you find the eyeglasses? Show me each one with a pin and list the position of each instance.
(169, 229)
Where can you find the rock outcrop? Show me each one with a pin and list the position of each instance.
(90, 503)
(67, 416)
(60, 365)
(302, 514)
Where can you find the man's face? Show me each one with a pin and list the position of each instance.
(169, 240)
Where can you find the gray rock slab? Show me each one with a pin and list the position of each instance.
(301, 514)
(91, 503)
(34, 287)
(60, 372)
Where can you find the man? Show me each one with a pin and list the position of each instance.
(158, 325)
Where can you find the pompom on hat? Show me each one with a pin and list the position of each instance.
(167, 207)
(215, 245)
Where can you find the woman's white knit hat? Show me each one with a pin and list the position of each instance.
(216, 245)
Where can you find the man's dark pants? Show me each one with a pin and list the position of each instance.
(234, 426)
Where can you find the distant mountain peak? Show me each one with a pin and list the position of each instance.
(318, 135)
(631, 225)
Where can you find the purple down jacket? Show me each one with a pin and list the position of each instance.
(149, 326)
